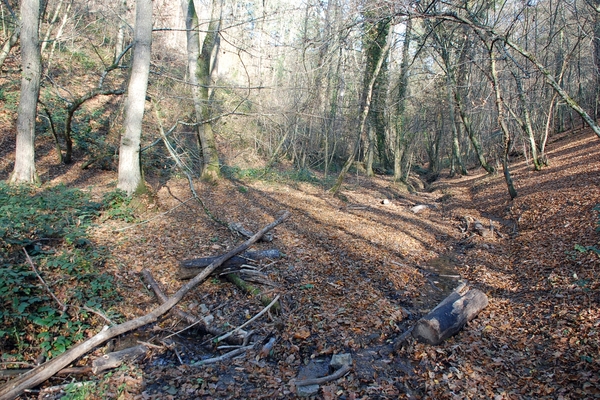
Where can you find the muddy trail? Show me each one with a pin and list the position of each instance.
(357, 271)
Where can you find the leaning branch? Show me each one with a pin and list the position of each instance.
(17, 386)
(317, 381)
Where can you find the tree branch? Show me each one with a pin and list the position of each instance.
(17, 386)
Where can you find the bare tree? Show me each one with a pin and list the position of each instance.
(364, 112)
(400, 141)
(24, 170)
(13, 38)
(201, 64)
(130, 173)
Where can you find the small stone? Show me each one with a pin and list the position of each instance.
(204, 309)
(385, 202)
(208, 319)
(339, 360)
(307, 391)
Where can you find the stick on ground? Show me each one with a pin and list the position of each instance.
(17, 386)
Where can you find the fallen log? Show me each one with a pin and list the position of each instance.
(252, 290)
(116, 358)
(41, 373)
(189, 268)
(238, 228)
(449, 317)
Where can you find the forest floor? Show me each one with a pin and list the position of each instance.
(357, 273)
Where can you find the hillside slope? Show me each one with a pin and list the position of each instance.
(357, 273)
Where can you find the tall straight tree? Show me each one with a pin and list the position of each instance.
(200, 66)
(30, 90)
(376, 37)
(13, 38)
(365, 106)
(130, 171)
(400, 141)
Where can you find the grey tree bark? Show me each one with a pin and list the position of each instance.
(526, 124)
(502, 122)
(24, 170)
(130, 172)
(365, 107)
(9, 44)
(200, 71)
(462, 78)
(400, 139)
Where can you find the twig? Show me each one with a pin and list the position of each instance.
(402, 338)
(15, 387)
(225, 356)
(184, 169)
(191, 319)
(317, 381)
(184, 329)
(59, 388)
(178, 356)
(250, 320)
(154, 346)
(62, 306)
(98, 313)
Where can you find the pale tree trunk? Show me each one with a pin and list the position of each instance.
(526, 124)
(61, 28)
(14, 36)
(30, 90)
(120, 39)
(9, 44)
(51, 23)
(502, 122)
(400, 139)
(130, 173)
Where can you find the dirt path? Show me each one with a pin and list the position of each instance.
(358, 272)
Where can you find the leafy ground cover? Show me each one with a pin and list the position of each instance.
(356, 274)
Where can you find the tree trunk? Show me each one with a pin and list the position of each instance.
(130, 173)
(456, 156)
(9, 44)
(462, 81)
(120, 39)
(502, 122)
(449, 317)
(400, 139)
(51, 23)
(200, 69)
(526, 123)
(597, 55)
(24, 170)
(365, 107)
(376, 38)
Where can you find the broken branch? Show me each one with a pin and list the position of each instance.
(317, 381)
(17, 386)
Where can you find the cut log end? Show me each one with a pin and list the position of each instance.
(450, 316)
